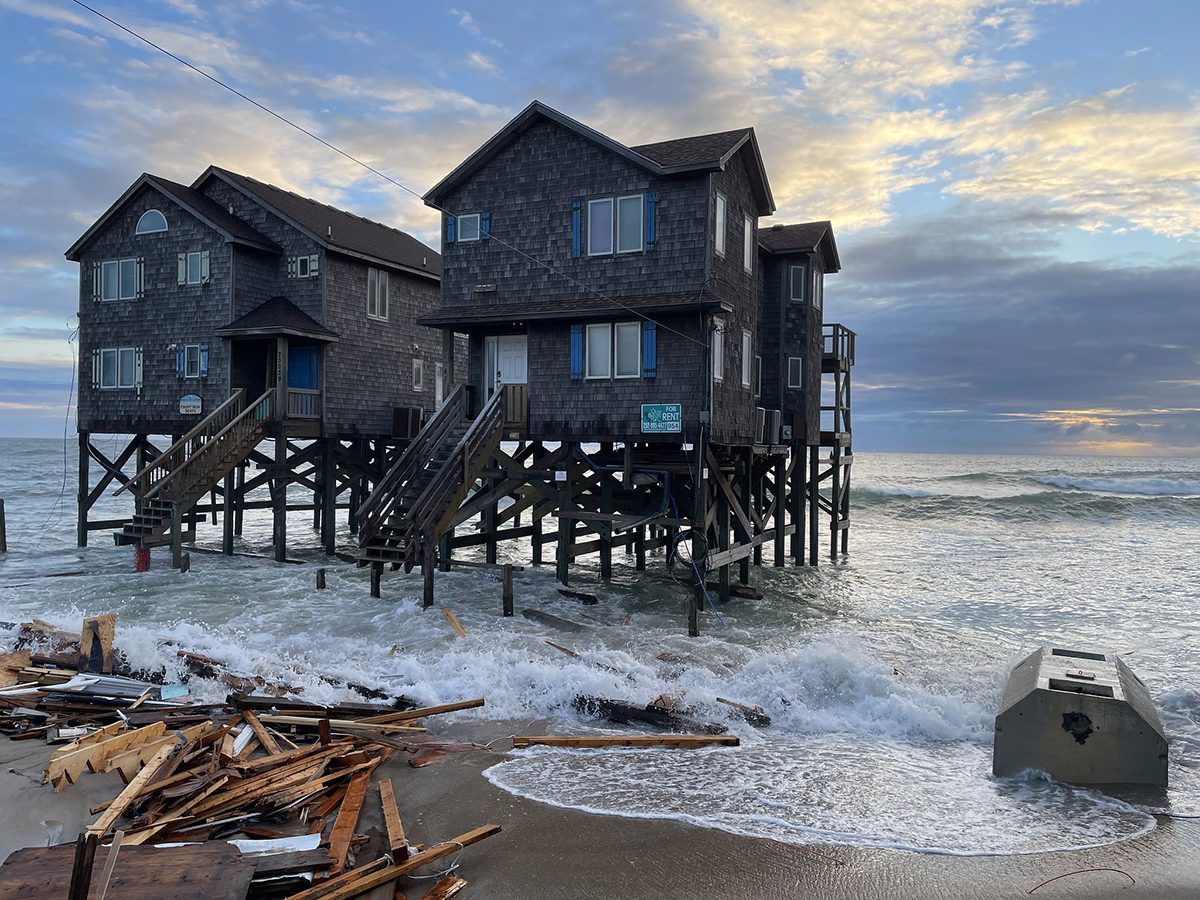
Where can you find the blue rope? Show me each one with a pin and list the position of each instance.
(699, 578)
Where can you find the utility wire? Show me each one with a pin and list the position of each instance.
(368, 167)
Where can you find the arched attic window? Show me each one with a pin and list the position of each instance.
(151, 222)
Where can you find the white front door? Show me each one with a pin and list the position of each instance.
(505, 361)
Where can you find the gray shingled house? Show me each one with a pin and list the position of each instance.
(193, 295)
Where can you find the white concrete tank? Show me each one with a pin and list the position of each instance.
(1083, 717)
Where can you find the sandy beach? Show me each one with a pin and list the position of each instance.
(549, 852)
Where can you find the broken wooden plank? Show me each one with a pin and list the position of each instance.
(66, 769)
(536, 615)
(126, 797)
(96, 644)
(622, 712)
(264, 737)
(445, 888)
(676, 741)
(176, 814)
(397, 842)
(755, 715)
(454, 623)
(421, 712)
(347, 821)
(11, 665)
(336, 724)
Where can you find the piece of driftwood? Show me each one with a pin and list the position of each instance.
(676, 741)
(454, 623)
(421, 712)
(336, 724)
(542, 618)
(755, 715)
(625, 713)
(585, 599)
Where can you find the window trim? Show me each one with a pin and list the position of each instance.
(641, 230)
(380, 292)
(187, 348)
(612, 237)
(758, 376)
(418, 374)
(747, 347)
(637, 366)
(818, 289)
(803, 267)
(718, 350)
(138, 230)
(799, 385)
(459, 228)
(587, 351)
(720, 226)
(748, 246)
(116, 355)
(197, 254)
(303, 267)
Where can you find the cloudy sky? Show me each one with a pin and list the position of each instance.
(1015, 187)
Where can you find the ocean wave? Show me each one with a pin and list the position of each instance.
(1042, 506)
(1145, 486)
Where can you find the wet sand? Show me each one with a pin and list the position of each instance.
(551, 853)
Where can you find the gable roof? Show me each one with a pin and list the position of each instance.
(704, 153)
(279, 315)
(202, 207)
(335, 229)
(804, 237)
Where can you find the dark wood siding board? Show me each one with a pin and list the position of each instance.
(528, 189)
(167, 314)
(306, 293)
(369, 370)
(733, 414)
(562, 408)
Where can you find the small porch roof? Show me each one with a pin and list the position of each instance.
(574, 309)
(278, 316)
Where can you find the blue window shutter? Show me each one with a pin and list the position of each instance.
(204, 360)
(577, 352)
(449, 229)
(576, 229)
(651, 205)
(179, 360)
(485, 225)
(649, 349)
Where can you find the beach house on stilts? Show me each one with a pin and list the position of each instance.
(269, 337)
(645, 364)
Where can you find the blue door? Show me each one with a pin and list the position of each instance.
(302, 367)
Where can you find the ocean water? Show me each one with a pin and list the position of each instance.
(881, 672)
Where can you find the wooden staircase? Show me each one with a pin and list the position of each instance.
(167, 488)
(412, 505)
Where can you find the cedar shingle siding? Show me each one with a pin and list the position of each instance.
(366, 372)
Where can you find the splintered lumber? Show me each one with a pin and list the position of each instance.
(445, 888)
(454, 623)
(95, 644)
(10, 666)
(174, 815)
(675, 741)
(336, 724)
(755, 715)
(356, 886)
(243, 702)
(397, 842)
(66, 768)
(128, 762)
(420, 713)
(347, 820)
(126, 797)
(621, 712)
(264, 737)
(536, 615)
(330, 886)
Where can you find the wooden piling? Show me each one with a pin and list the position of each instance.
(81, 527)
(320, 579)
(506, 577)
(227, 515)
(376, 578)
(279, 483)
(428, 567)
(329, 495)
(81, 871)
(3, 529)
(814, 518)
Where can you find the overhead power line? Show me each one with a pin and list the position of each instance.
(354, 159)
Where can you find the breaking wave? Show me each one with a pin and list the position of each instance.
(1145, 487)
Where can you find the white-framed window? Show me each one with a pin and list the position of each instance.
(377, 294)
(795, 371)
(746, 357)
(418, 374)
(118, 368)
(439, 384)
(151, 222)
(468, 227)
(758, 376)
(598, 351)
(818, 289)
(193, 268)
(630, 238)
(600, 227)
(118, 279)
(798, 283)
(627, 350)
(302, 267)
(748, 245)
(191, 361)
(719, 226)
(718, 350)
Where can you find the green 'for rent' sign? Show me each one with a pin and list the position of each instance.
(658, 418)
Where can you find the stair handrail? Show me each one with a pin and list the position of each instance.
(180, 445)
(251, 411)
(382, 499)
(432, 499)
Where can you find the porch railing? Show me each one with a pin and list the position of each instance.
(838, 342)
(303, 403)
